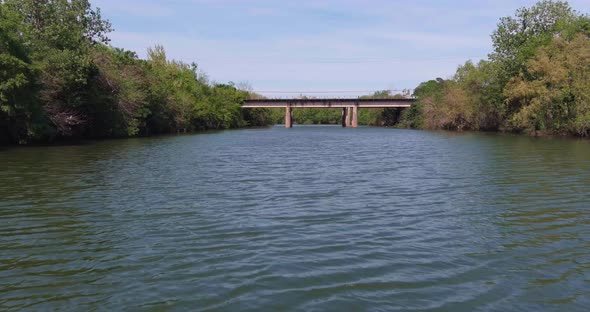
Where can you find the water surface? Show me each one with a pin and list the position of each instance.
(310, 218)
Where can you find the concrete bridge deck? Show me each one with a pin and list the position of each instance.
(329, 103)
(349, 106)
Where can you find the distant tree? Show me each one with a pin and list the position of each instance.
(426, 93)
(557, 99)
(387, 94)
(517, 38)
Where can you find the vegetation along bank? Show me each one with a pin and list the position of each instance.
(60, 79)
(536, 81)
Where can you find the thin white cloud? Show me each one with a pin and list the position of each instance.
(268, 65)
(438, 40)
(384, 44)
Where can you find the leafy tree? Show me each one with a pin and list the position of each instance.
(527, 85)
(60, 34)
(18, 110)
(557, 98)
(484, 93)
(517, 38)
(58, 78)
(118, 100)
(426, 93)
(62, 24)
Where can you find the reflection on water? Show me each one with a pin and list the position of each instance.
(309, 218)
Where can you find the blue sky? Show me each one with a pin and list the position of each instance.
(314, 45)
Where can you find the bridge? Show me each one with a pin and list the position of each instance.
(349, 107)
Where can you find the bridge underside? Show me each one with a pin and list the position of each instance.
(349, 106)
(349, 117)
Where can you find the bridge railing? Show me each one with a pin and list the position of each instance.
(332, 98)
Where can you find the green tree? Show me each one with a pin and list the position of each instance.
(60, 34)
(17, 107)
(427, 93)
(517, 38)
(510, 91)
(117, 102)
(483, 92)
(557, 97)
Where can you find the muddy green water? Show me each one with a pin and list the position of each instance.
(314, 218)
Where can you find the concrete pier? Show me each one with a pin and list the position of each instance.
(346, 116)
(350, 117)
(288, 117)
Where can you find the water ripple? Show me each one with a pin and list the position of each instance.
(310, 218)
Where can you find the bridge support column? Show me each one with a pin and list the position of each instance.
(345, 114)
(288, 117)
(348, 117)
(355, 118)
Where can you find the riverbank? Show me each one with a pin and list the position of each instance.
(67, 141)
(79, 86)
(536, 81)
(82, 141)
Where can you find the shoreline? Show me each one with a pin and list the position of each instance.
(85, 141)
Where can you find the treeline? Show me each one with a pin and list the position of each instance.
(59, 78)
(536, 81)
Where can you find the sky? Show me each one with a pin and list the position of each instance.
(341, 48)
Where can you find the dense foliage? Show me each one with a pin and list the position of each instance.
(59, 78)
(536, 81)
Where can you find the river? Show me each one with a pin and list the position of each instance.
(306, 219)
